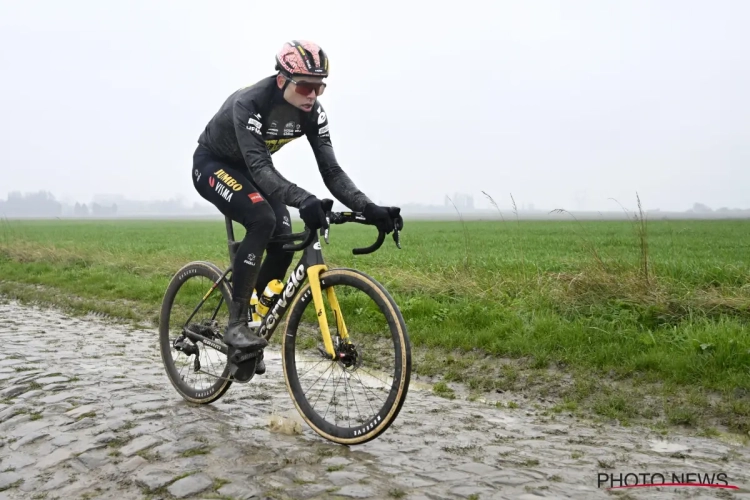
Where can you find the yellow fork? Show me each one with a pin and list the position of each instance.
(337, 313)
(313, 273)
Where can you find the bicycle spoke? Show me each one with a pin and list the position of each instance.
(324, 386)
(319, 376)
(346, 393)
(353, 399)
(365, 388)
(334, 397)
(311, 369)
(369, 373)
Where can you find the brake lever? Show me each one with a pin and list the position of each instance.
(395, 218)
(328, 221)
(327, 205)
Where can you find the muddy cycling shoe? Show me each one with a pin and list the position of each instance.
(239, 336)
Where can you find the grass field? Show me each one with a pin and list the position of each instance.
(622, 319)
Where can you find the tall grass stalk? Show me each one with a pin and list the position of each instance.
(518, 225)
(639, 226)
(466, 234)
(494, 204)
(640, 220)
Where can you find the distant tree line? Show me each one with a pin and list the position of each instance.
(44, 204)
(41, 204)
(97, 210)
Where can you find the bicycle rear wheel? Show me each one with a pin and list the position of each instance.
(198, 372)
(376, 359)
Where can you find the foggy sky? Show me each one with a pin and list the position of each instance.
(564, 103)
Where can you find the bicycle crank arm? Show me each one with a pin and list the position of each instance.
(197, 337)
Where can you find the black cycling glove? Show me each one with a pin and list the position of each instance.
(385, 218)
(312, 213)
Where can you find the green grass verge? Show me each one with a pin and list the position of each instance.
(623, 319)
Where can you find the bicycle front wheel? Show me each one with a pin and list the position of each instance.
(355, 398)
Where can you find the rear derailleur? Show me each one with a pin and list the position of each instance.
(207, 329)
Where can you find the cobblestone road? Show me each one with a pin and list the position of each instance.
(87, 412)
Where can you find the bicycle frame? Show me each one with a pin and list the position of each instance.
(309, 266)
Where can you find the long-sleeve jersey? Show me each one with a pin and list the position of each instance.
(256, 121)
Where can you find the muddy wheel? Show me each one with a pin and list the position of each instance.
(367, 383)
(198, 372)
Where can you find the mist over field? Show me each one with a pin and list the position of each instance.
(561, 104)
(458, 207)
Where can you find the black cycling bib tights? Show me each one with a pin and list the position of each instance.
(232, 169)
(229, 189)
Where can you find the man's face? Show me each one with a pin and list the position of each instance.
(302, 90)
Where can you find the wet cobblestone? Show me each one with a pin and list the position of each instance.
(87, 412)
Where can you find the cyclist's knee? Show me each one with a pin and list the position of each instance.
(261, 220)
(267, 220)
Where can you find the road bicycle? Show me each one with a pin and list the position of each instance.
(377, 356)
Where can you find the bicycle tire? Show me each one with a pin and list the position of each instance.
(399, 389)
(212, 272)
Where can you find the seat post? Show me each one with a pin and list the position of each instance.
(230, 229)
(230, 239)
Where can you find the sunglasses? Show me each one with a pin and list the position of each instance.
(305, 88)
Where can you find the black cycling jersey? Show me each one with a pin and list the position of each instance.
(255, 122)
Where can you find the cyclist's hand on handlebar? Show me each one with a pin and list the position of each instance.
(312, 211)
(385, 218)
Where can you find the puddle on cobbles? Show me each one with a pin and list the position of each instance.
(83, 421)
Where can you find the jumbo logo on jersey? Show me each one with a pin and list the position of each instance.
(228, 180)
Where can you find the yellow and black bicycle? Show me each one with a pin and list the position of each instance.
(345, 350)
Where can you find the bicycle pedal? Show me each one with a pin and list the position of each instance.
(242, 364)
(238, 357)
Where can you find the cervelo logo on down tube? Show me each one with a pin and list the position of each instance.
(614, 481)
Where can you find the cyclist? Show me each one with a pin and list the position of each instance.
(233, 169)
